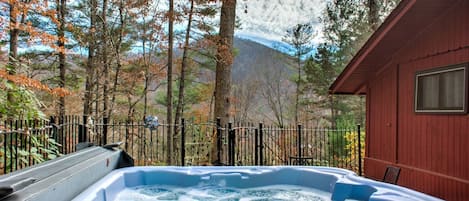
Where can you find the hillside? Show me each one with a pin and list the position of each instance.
(261, 82)
(254, 58)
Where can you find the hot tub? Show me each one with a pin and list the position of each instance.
(242, 183)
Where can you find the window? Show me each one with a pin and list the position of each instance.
(442, 90)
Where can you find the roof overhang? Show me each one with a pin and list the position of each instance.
(404, 23)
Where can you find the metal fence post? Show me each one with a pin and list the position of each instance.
(183, 141)
(230, 144)
(61, 134)
(55, 133)
(105, 125)
(53, 130)
(256, 146)
(17, 133)
(83, 130)
(175, 144)
(300, 161)
(359, 151)
(261, 145)
(127, 136)
(219, 130)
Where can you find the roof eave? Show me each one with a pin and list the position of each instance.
(370, 44)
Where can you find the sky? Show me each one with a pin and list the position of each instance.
(266, 21)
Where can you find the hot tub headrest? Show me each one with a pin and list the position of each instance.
(62, 178)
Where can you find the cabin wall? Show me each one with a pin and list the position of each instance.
(431, 149)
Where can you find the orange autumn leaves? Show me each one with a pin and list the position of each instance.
(19, 10)
(29, 83)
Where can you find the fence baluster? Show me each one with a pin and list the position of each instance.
(256, 146)
(183, 142)
(230, 145)
(5, 146)
(219, 130)
(105, 125)
(359, 151)
(240, 143)
(261, 147)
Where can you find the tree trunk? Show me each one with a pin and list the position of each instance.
(13, 52)
(223, 70)
(105, 61)
(14, 32)
(182, 77)
(298, 83)
(146, 66)
(91, 61)
(169, 96)
(333, 111)
(373, 14)
(61, 6)
(118, 57)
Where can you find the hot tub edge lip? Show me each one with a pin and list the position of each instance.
(342, 176)
(115, 175)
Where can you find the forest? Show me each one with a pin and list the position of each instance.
(174, 59)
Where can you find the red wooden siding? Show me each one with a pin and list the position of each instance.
(431, 149)
(383, 114)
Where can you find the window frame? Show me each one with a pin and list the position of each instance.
(441, 70)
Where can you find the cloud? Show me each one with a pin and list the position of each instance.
(269, 19)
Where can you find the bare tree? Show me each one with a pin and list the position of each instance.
(245, 96)
(104, 59)
(182, 76)
(90, 73)
(117, 51)
(275, 89)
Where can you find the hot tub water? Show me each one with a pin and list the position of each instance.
(219, 193)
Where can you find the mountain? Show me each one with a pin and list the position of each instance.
(253, 58)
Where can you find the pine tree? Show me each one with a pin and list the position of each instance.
(347, 25)
(169, 96)
(299, 37)
(61, 11)
(224, 60)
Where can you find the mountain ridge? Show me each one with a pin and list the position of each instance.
(253, 57)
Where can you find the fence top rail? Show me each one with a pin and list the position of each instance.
(25, 130)
(202, 124)
(244, 127)
(188, 123)
(130, 124)
(307, 129)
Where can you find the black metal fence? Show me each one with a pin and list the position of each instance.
(25, 143)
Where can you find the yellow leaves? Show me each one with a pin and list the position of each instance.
(27, 82)
(352, 146)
